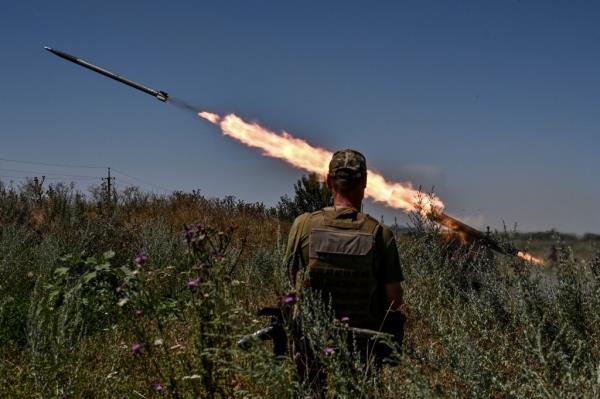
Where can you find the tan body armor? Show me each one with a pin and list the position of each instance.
(340, 264)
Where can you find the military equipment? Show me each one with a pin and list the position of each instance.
(384, 344)
(470, 234)
(377, 340)
(340, 262)
(274, 332)
(161, 95)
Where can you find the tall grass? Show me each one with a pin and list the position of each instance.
(147, 296)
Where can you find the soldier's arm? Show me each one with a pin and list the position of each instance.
(290, 259)
(394, 295)
(392, 271)
(289, 251)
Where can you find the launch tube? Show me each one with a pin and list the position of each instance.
(470, 233)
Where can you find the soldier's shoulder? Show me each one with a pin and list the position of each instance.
(384, 229)
(306, 216)
(373, 220)
(304, 219)
(387, 233)
(300, 217)
(298, 220)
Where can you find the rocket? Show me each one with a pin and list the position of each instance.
(159, 94)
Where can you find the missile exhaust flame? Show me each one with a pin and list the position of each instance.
(530, 258)
(301, 154)
(209, 116)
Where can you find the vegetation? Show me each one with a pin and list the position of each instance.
(310, 195)
(146, 296)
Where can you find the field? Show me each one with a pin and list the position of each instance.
(146, 296)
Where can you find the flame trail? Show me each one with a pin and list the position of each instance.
(530, 258)
(299, 153)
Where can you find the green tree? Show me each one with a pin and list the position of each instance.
(310, 194)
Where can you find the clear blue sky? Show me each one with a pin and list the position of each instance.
(496, 104)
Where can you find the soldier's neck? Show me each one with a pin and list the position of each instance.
(345, 202)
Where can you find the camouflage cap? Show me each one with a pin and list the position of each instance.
(349, 161)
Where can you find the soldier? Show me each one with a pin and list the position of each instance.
(347, 255)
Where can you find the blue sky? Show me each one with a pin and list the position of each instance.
(493, 103)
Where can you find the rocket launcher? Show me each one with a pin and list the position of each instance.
(472, 235)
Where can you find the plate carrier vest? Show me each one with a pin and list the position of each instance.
(340, 264)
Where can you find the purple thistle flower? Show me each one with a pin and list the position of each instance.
(118, 290)
(193, 284)
(135, 348)
(328, 350)
(139, 312)
(288, 299)
(140, 259)
(345, 319)
(159, 387)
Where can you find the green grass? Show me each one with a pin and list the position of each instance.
(75, 305)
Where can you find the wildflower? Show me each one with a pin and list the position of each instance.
(288, 299)
(122, 302)
(135, 348)
(158, 342)
(328, 350)
(159, 387)
(140, 259)
(139, 312)
(345, 319)
(118, 290)
(193, 284)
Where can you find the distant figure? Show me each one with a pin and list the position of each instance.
(348, 255)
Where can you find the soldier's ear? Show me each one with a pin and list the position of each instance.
(329, 183)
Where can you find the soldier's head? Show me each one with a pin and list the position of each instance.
(347, 175)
